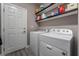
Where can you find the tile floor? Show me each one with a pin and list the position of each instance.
(21, 52)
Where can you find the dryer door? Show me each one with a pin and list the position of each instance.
(48, 50)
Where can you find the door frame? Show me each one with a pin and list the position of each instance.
(2, 33)
(3, 24)
(78, 31)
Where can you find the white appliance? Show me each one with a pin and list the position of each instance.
(57, 42)
(34, 41)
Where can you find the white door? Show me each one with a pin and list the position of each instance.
(15, 22)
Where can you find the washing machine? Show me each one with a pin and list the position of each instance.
(57, 42)
(34, 41)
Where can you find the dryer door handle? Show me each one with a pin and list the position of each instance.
(49, 47)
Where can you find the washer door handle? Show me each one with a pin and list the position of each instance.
(63, 53)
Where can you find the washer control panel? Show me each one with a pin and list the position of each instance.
(62, 31)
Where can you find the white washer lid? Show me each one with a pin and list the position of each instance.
(65, 34)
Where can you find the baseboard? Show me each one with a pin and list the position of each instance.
(2, 52)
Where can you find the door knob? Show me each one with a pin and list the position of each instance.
(24, 28)
(24, 31)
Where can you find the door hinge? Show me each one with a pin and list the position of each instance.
(3, 29)
(3, 9)
(3, 49)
